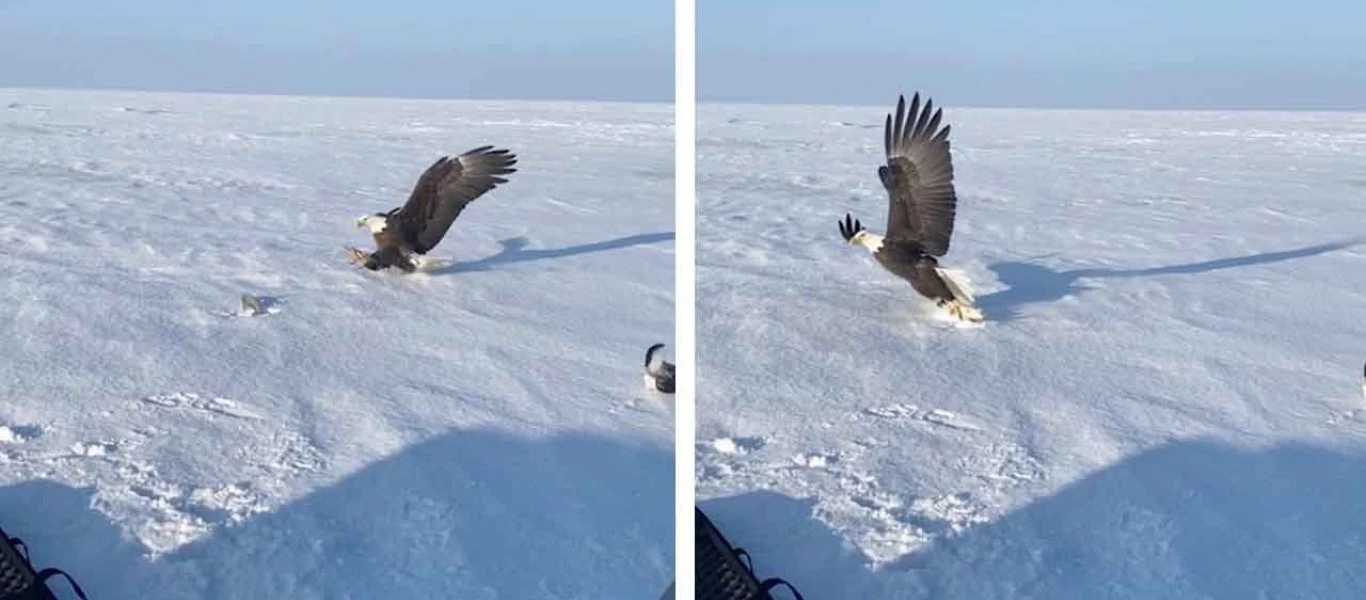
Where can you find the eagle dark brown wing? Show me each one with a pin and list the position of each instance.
(919, 176)
(445, 189)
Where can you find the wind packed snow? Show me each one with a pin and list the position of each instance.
(478, 430)
(1164, 401)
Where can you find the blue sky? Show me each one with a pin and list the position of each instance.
(545, 49)
(1052, 53)
(1036, 53)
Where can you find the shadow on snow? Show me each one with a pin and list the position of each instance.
(1029, 283)
(1188, 520)
(468, 514)
(514, 251)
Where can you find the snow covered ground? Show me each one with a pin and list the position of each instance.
(1164, 403)
(478, 431)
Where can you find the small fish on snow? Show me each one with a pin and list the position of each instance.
(254, 306)
(251, 306)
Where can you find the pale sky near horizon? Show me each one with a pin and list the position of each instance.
(534, 49)
(1227, 54)
(1041, 53)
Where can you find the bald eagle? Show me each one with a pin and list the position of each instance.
(659, 373)
(921, 205)
(441, 193)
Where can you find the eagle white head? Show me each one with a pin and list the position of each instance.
(855, 235)
(867, 239)
(375, 223)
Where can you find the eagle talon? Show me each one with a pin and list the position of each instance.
(355, 256)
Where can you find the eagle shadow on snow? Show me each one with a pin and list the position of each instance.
(1029, 283)
(1190, 520)
(514, 251)
(467, 514)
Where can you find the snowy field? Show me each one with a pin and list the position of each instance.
(1165, 401)
(479, 431)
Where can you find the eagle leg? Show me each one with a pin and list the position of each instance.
(361, 259)
(356, 256)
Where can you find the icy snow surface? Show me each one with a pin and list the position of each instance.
(477, 431)
(1164, 402)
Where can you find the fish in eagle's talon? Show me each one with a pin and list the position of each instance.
(355, 256)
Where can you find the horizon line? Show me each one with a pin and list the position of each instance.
(700, 102)
(322, 95)
(1361, 109)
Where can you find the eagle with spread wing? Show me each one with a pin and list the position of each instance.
(441, 193)
(921, 205)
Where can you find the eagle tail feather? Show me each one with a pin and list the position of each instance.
(958, 283)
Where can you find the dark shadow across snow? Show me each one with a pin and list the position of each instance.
(514, 250)
(468, 514)
(1027, 283)
(1187, 520)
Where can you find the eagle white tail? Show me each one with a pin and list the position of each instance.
(654, 360)
(959, 284)
(961, 287)
(659, 373)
